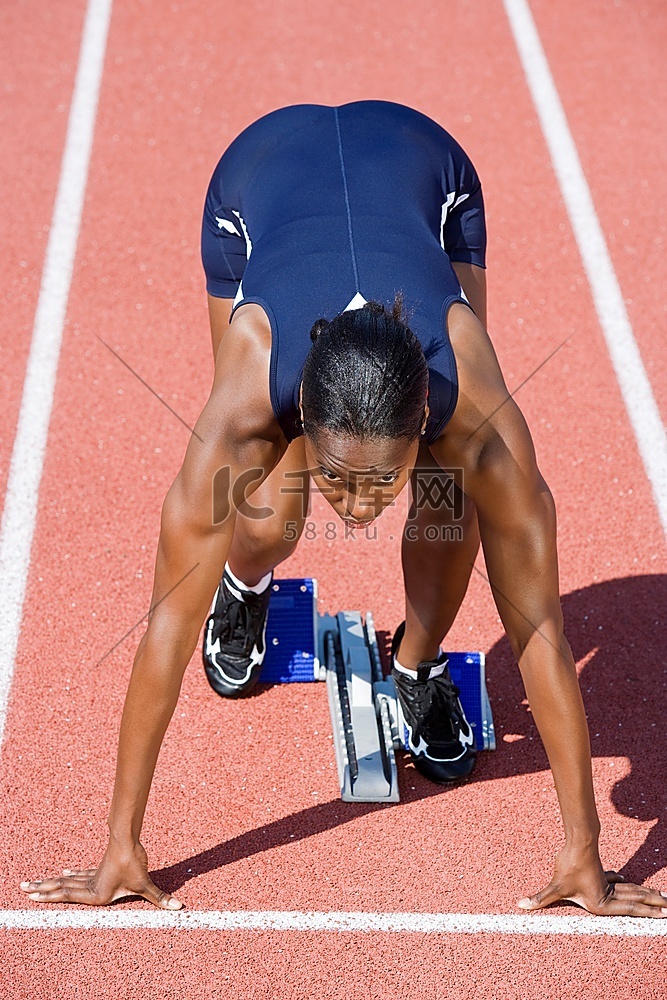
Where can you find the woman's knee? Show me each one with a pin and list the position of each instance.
(441, 501)
(274, 534)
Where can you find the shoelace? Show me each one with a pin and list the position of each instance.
(436, 700)
(234, 620)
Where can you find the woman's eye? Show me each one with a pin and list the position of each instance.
(329, 475)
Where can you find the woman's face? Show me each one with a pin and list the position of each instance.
(360, 478)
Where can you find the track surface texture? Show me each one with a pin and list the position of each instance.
(245, 813)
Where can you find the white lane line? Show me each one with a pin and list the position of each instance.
(607, 297)
(25, 470)
(295, 920)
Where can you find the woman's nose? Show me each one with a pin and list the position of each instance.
(359, 508)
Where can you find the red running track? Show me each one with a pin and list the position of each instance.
(263, 828)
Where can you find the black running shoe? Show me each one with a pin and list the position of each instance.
(234, 638)
(440, 739)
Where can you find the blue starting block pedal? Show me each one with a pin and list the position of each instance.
(291, 633)
(468, 671)
(367, 722)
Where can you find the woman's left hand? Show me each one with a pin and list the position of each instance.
(579, 878)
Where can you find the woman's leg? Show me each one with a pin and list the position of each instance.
(235, 634)
(259, 545)
(234, 643)
(219, 311)
(440, 544)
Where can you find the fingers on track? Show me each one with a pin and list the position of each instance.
(639, 894)
(78, 893)
(614, 877)
(542, 898)
(625, 907)
(50, 884)
(160, 898)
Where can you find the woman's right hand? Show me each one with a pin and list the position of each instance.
(122, 872)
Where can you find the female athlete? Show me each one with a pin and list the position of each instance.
(363, 227)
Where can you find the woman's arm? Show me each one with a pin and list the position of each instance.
(490, 440)
(192, 549)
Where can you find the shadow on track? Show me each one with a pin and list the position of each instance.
(620, 629)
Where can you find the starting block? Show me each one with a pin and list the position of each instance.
(366, 718)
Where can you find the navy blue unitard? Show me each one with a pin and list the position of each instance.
(313, 210)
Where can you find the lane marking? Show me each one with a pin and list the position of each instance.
(607, 296)
(27, 461)
(351, 922)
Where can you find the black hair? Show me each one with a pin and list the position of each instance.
(366, 375)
